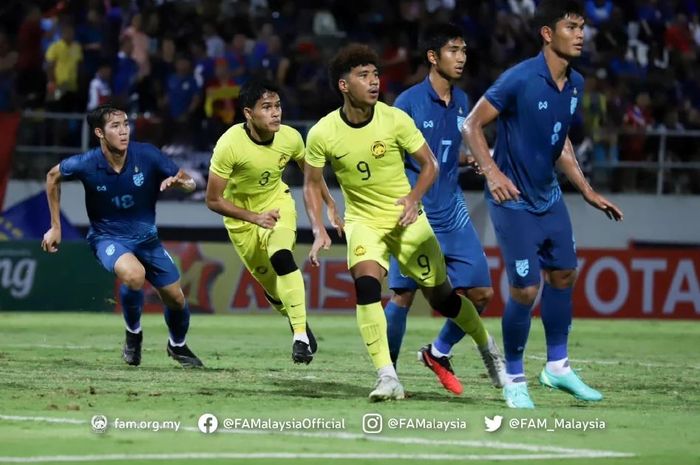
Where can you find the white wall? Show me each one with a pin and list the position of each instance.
(667, 219)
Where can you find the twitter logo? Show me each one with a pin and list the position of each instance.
(493, 424)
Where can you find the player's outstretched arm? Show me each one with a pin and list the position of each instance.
(332, 211)
(217, 203)
(313, 196)
(428, 172)
(52, 237)
(568, 164)
(181, 180)
(500, 186)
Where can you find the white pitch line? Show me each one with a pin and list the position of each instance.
(542, 451)
(277, 455)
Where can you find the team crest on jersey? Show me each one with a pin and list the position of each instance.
(378, 149)
(261, 269)
(283, 161)
(460, 122)
(110, 250)
(138, 179)
(360, 251)
(574, 101)
(522, 267)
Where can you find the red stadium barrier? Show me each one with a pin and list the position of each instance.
(9, 123)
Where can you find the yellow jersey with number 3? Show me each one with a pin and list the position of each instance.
(254, 169)
(367, 160)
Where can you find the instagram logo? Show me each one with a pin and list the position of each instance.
(372, 423)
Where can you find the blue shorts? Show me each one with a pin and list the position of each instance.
(464, 257)
(530, 242)
(160, 268)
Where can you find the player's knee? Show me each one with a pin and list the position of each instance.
(524, 295)
(283, 262)
(403, 297)
(448, 306)
(561, 279)
(134, 277)
(480, 296)
(368, 290)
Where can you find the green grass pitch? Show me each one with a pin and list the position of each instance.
(58, 370)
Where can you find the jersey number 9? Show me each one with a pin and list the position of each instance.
(363, 168)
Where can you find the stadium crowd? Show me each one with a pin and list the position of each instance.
(181, 63)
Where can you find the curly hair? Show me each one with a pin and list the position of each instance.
(346, 59)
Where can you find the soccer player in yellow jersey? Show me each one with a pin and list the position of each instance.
(245, 187)
(364, 142)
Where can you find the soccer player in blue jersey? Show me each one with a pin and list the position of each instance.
(439, 109)
(122, 180)
(534, 103)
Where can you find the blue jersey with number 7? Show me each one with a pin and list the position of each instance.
(121, 205)
(441, 126)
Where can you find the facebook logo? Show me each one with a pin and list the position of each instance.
(207, 423)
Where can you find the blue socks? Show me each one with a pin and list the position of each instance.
(178, 322)
(515, 325)
(557, 309)
(132, 304)
(395, 328)
(450, 334)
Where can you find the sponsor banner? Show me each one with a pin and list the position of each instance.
(69, 280)
(645, 283)
(9, 123)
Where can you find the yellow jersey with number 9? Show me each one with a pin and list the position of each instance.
(254, 169)
(367, 160)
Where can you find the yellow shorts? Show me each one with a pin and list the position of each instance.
(415, 247)
(252, 245)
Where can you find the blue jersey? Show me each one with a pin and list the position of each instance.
(121, 205)
(532, 127)
(441, 126)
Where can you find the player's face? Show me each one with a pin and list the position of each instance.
(451, 59)
(116, 131)
(567, 37)
(362, 85)
(266, 115)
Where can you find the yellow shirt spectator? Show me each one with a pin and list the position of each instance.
(65, 58)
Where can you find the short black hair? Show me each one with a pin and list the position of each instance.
(347, 58)
(436, 35)
(254, 89)
(549, 12)
(98, 117)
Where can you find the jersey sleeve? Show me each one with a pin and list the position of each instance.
(315, 148)
(72, 167)
(298, 152)
(164, 165)
(222, 159)
(51, 52)
(503, 92)
(402, 103)
(408, 135)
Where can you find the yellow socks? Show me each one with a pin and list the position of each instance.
(469, 320)
(292, 294)
(372, 324)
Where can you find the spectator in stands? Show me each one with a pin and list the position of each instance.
(182, 101)
(100, 88)
(272, 66)
(140, 45)
(237, 58)
(216, 47)
(91, 35)
(63, 59)
(636, 120)
(31, 80)
(598, 11)
(221, 101)
(126, 74)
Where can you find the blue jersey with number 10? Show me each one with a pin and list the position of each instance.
(121, 205)
(441, 126)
